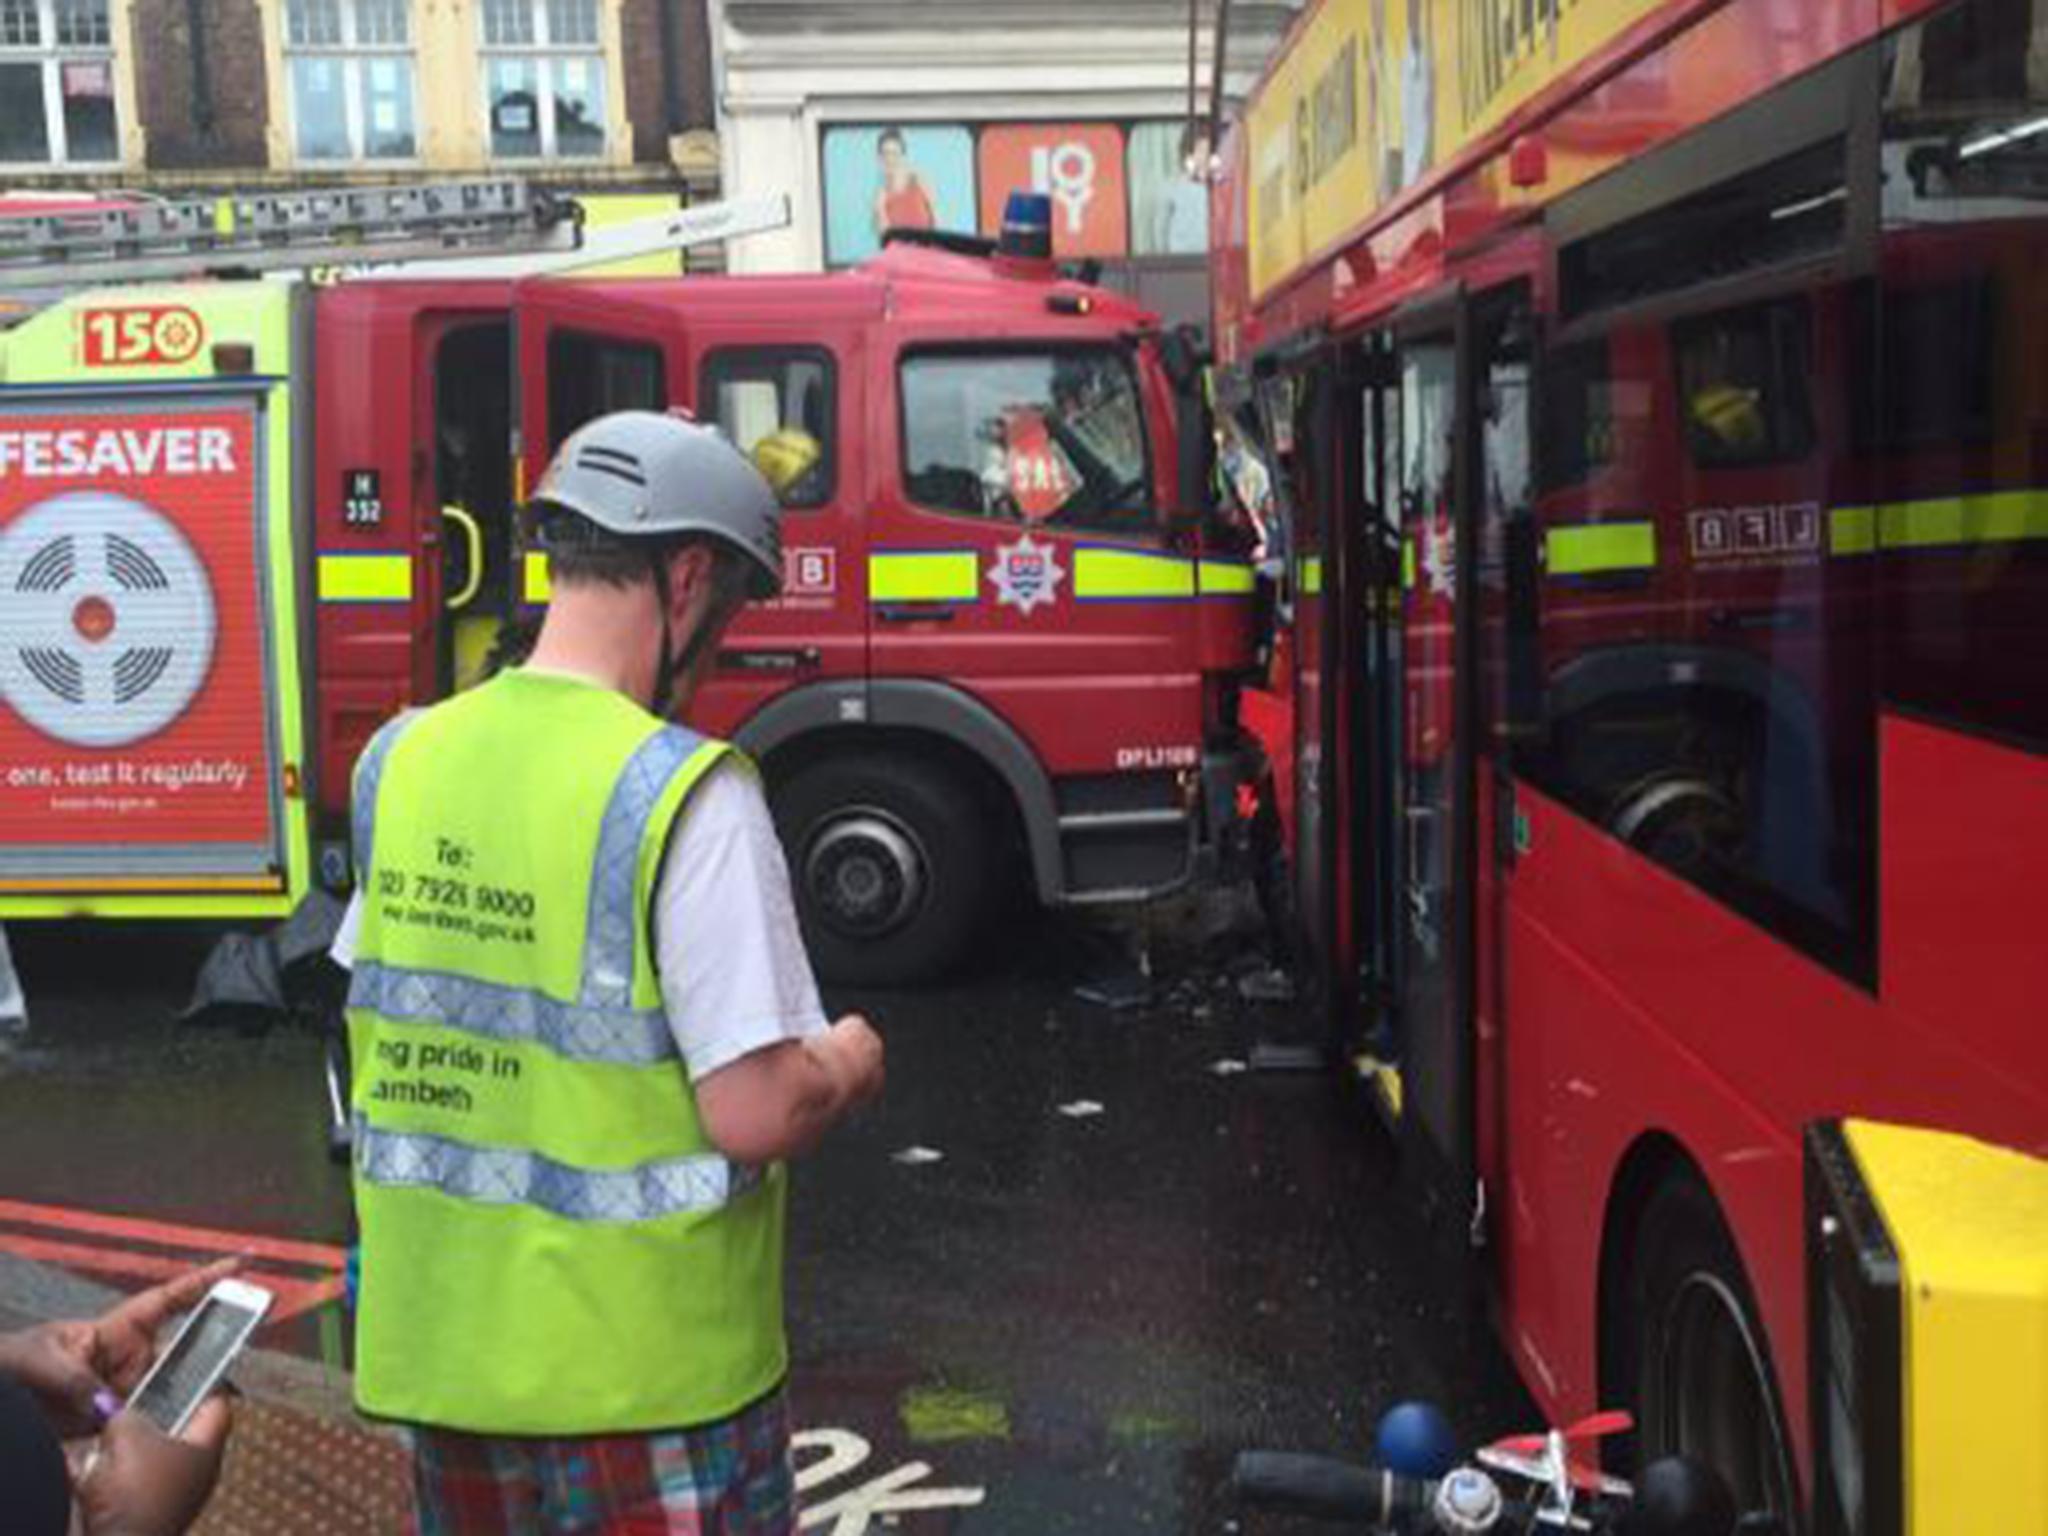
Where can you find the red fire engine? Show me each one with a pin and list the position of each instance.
(1006, 649)
(1657, 400)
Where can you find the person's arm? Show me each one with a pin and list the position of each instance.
(66, 1364)
(777, 1102)
(770, 1075)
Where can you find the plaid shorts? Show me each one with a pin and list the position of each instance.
(732, 1478)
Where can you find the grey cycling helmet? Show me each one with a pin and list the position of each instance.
(644, 475)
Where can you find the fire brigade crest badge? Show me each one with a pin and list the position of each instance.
(1026, 574)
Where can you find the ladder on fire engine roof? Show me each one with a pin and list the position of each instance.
(486, 228)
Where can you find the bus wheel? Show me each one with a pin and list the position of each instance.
(1698, 1362)
(892, 864)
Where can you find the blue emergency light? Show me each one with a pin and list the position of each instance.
(1027, 226)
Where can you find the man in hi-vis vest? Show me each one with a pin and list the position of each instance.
(585, 1035)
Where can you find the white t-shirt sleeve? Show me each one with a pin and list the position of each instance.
(734, 975)
(343, 950)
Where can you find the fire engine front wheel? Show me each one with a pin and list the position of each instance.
(1696, 1357)
(892, 863)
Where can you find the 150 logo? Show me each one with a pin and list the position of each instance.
(125, 337)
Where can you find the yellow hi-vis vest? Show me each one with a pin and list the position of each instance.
(550, 1243)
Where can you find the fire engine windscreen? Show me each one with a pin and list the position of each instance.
(1054, 437)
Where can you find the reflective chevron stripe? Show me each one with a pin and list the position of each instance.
(364, 578)
(1946, 522)
(1226, 578)
(924, 576)
(1103, 574)
(1601, 549)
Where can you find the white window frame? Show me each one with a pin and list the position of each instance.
(542, 54)
(53, 56)
(349, 55)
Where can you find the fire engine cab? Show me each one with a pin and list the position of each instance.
(242, 522)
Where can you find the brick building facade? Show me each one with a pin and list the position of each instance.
(175, 95)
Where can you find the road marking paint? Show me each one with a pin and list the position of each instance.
(855, 1511)
(295, 1296)
(932, 1415)
(212, 1240)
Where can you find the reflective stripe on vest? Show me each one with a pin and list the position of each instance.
(511, 1176)
(362, 809)
(613, 934)
(581, 1031)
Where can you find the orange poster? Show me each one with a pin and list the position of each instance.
(1080, 166)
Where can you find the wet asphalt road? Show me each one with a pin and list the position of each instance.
(1081, 1315)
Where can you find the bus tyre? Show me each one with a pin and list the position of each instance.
(892, 863)
(1695, 1356)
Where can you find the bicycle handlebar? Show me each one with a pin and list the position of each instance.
(1327, 1489)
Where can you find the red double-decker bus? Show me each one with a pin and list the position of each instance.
(1658, 395)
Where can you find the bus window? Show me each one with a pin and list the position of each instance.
(1055, 437)
(1702, 669)
(776, 403)
(1960, 531)
(1933, 347)
(1779, 213)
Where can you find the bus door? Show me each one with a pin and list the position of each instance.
(1372, 414)
(1423, 704)
(1296, 396)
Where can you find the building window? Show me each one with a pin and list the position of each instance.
(57, 83)
(351, 71)
(544, 79)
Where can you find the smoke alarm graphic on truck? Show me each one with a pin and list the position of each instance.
(111, 619)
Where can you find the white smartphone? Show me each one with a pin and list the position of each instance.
(199, 1355)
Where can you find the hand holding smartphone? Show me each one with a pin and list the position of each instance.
(198, 1356)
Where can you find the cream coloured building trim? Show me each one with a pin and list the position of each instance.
(128, 91)
(789, 70)
(277, 133)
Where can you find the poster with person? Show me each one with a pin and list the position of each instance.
(1169, 206)
(894, 176)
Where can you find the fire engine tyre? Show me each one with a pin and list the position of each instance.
(892, 862)
(1694, 1353)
